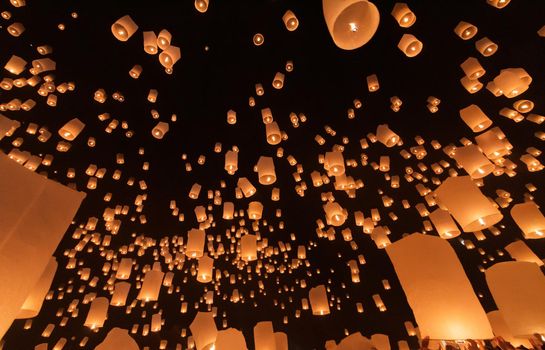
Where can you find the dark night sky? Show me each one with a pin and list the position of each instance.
(207, 83)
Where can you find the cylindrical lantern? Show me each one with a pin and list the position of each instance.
(206, 265)
(71, 129)
(160, 130)
(465, 202)
(163, 39)
(403, 15)
(272, 131)
(529, 219)
(150, 43)
(473, 161)
(170, 56)
(475, 118)
(290, 20)
(230, 339)
(204, 331)
(118, 339)
(248, 247)
(465, 30)
(98, 312)
(386, 136)
(265, 171)
(472, 68)
(201, 5)
(519, 251)
(151, 286)
(195, 243)
(351, 23)
(33, 302)
(124, 28)
(318, 300)
(513, 81)
(335, 215)
(334, 163)
(278, 81)
(444, 224)
(246, 187)
(410, 45)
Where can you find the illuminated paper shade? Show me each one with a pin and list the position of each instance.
(35, 213)
(518, 289)
(204, 331)
(118, 339)
(437, 289)
(519, 251)
(230, 338)
(501, 329)
(264, 336)
(35, 299)
(355, 341)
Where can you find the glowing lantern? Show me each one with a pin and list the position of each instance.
(255, 210)
(258, 39)
(290, 21)
(201, 5)
(121, 291)
(278, 81)
(163, 39)
(246, 187)
(518, 289)
(403, 15)
(124, 28)
(499, 4)
(465, 30)
(410, 45)
(231, 162)
(444, 224)
(335, 214)
(334, 163)
(170, 56)
(71, 129)
(229, 339)
(519, 251)
(475, 118)
(355, 341)
(151, 286)
(513, 81)
(380, 236)
(117, 339)
(386, 136)
(204, 331)
(437, 289)
(150, 43)
(204, 273)
(318, 300)
(486, 47)
(265, 171)
(465, 202)
(34, 219)
(501, 329)
(98, 312)
(264, 336)
(472, 68)
(473, 161)
(33, 303)
(351, 23)
(160, 130)
(272, 131)
(195, 243)
(16, 29)
(16, 65)
(529, 219)
(491, 144)
(228, 210)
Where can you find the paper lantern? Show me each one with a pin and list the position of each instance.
(255, 210)
(475, 118)
(204, 273)
(160, 130)
(35, 213)
(513, 81)
(335, 214)
(410, 45)
(16, 65)
(372, 83)
(265, 171)
(519, 251)
(403, 15)
(204, 331)
(98, 312)
(124, 28)
(465, 202)
(246, 187)
(380, 237)
(230, 339)
(117, 339)
(170, 56)
(472, 68)
(386, 136)
(264, 337)
(278, 81)
(444, 224)
(121, 291)
(201, 5)
(473, 161)
(486, 47)
(231, 162)
(355, 341)
(437, 289)
(272, 131)
(465, 30)
(492, 145)
(195, 243)
(33, 303)
(499, 4)
(529, 219)
(258, 39)
(248, 247)
(501, 329)
(163, 39)
(228, 210)
(290, 20)
(334, 163)
(318, 300)
(16, 29)
(150, 42)
(351, 23)
(151, 286)
(518, 289)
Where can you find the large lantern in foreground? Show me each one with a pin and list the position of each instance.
(351, 23)
(437, 289)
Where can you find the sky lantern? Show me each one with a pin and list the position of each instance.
(318, 300)
(204, 331)
(124, 28)
(116, 339)
(351, 23)
(403, 15)
(529, 219)
(465, 202)
(437, 288)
